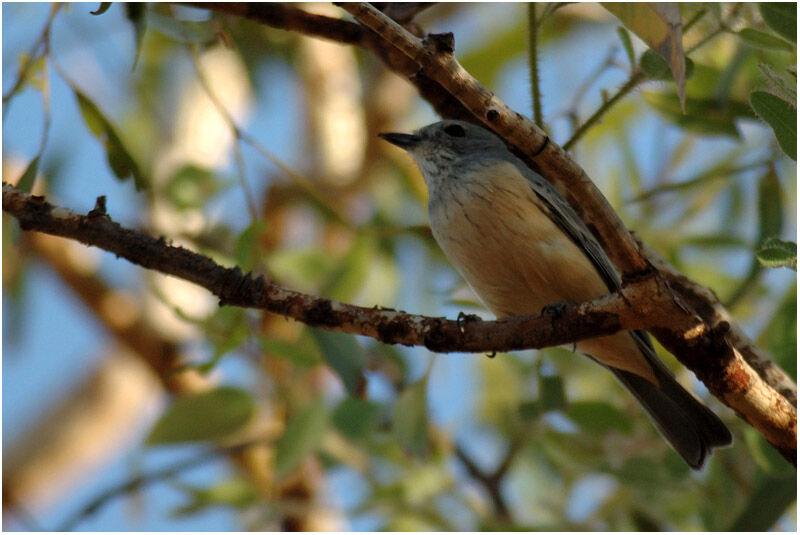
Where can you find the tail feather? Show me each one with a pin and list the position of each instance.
(691, 427)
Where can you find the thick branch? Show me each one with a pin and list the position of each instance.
(558, 327)
(434, 55)
(644, 304)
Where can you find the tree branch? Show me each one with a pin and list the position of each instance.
(557, 327)
(644, 304)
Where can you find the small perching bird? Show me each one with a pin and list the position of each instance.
(521, 247)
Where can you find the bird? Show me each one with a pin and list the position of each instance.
(522, 248)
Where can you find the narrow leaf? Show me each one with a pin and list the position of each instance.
(345, 356)
(781, 17)
(119, 159)
(25, 182)
(770, 206)
(411, 418)
(301, 438)
(763, 40)
(775, 253)
(766, 504)
(356, 418)
(206, 416)
(625, 37)
(102, 8)
(781, 116)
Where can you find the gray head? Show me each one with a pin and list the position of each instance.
(449, 147)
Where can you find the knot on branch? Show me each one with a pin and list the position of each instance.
(99, 209)
(441, 43)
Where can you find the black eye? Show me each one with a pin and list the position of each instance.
(455, 130)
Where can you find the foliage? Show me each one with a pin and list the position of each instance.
(258, 147)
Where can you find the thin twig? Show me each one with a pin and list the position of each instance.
(636, 78)
(137, 482)
(533, 67)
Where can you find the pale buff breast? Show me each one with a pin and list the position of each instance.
(517, 260)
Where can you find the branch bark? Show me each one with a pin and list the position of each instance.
(642, 304)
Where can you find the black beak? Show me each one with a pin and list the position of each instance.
(404, 141)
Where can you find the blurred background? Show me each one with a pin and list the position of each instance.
(257, 147)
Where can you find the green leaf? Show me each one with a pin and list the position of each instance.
(775, 253)
(780, 335)
(484, 64)
(205, 416)
(302, 437)
(119, 159)
(410, 427)
(781, 116)
(551, 392)
(770, 499)
(781, 17)
(356, 418)
(658, 25)
(301, 353)
(656, 68)
(625, 37)
(136, 13)
(705, 116)
(236, 492)
(25, 182)
(763, 40)
(770, 206)
(191, 186)
(781, 85)
(182, 31)
(102, 8)
(348, 278)
(345, 356)
(247, 250)
(598, 417)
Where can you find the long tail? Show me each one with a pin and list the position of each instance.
(691, 427)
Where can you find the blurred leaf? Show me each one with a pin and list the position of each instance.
(502, 392)
(192, 186)
(781, 116)
(302, 437)
(236, 492)
(705, 116)
(598, 417)
(770, 206)
(343, 353)
(356, 418)
(486, 62)
(781, 17)
(625, 38)
(348, 278)
(182, 31)
(770, 499)
(775, 253)
(247, 251)
(25, 182)
(102, 8)
(780, 335)
(658, 25)
(530, 410)
(715, 240)
(551, 392)
(119, 159)
(656, 68)
(763, 40)
(303, 352)
(136, 13)
(410, 427)
(226, 329)
(205, 416)
(767, 458)
(780, 85)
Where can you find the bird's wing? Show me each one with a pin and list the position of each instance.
(573, 226)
